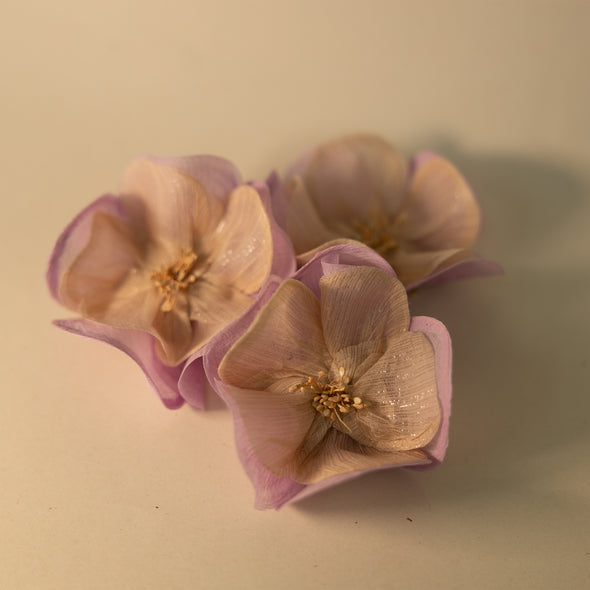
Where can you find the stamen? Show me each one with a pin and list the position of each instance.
(377, 234)
(330, 398)
(176, 277)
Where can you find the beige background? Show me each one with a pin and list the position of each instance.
(102, 488)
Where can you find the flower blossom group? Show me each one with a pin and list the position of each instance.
(287, 297)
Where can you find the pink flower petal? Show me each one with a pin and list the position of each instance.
(168, 205)
(283, 259)
(334, 256)
(271, 491)
(241, 247)
(415, 267)
(90, 281)
(355, 177)
(296, 351)
(278, 199)
(439, 337)
(399, 390)
(192, 383)
(305, 226)
(339, 453)
(75, 237)
(277, 425)
(441, 211)
(362, 304)
(140, 347)
(173, 331)
(218, 176)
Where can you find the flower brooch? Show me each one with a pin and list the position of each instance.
(288, 297)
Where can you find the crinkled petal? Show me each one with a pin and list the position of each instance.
(218, 176)
(440, 340)
(271, 491)
(338, 453)
(362, 304)
(169, 207)
(140, 347)
(440, 212)
(284, 342)
(241, 247)
(356, 178)
(75, 237)
(277, 425)
(216, 349)
(399, 391)
(216, 304)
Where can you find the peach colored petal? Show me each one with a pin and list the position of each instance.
(306, 228)
(91, 281)
(277, 426)
(362, 304)
(338, 453)
(174, 331)
(400, 396)
(284, 342)
(170, 207)
(241, 247)
(355, 178)
(216, 303)
(271, 491)
(440, 212)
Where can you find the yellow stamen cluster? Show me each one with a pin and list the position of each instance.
(176, 277)
(377, 234)
(330, 397)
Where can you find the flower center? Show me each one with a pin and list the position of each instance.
(330, 398)
(176, 277)
(377, 234)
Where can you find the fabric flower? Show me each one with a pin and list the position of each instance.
(334, 380)
(158, 270)
(422, 217)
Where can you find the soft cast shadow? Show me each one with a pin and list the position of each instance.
(521, 345)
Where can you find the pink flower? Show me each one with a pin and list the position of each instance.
(159, 270)
(333, 379)
(422, 217)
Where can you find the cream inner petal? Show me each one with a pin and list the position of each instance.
(362, 304)
(240, 249)
(285, 341)
(400, 393)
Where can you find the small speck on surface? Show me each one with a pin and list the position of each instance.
(409, 519)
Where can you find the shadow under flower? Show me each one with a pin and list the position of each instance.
(521, 349)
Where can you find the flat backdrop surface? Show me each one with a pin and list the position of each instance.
(101, 487)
